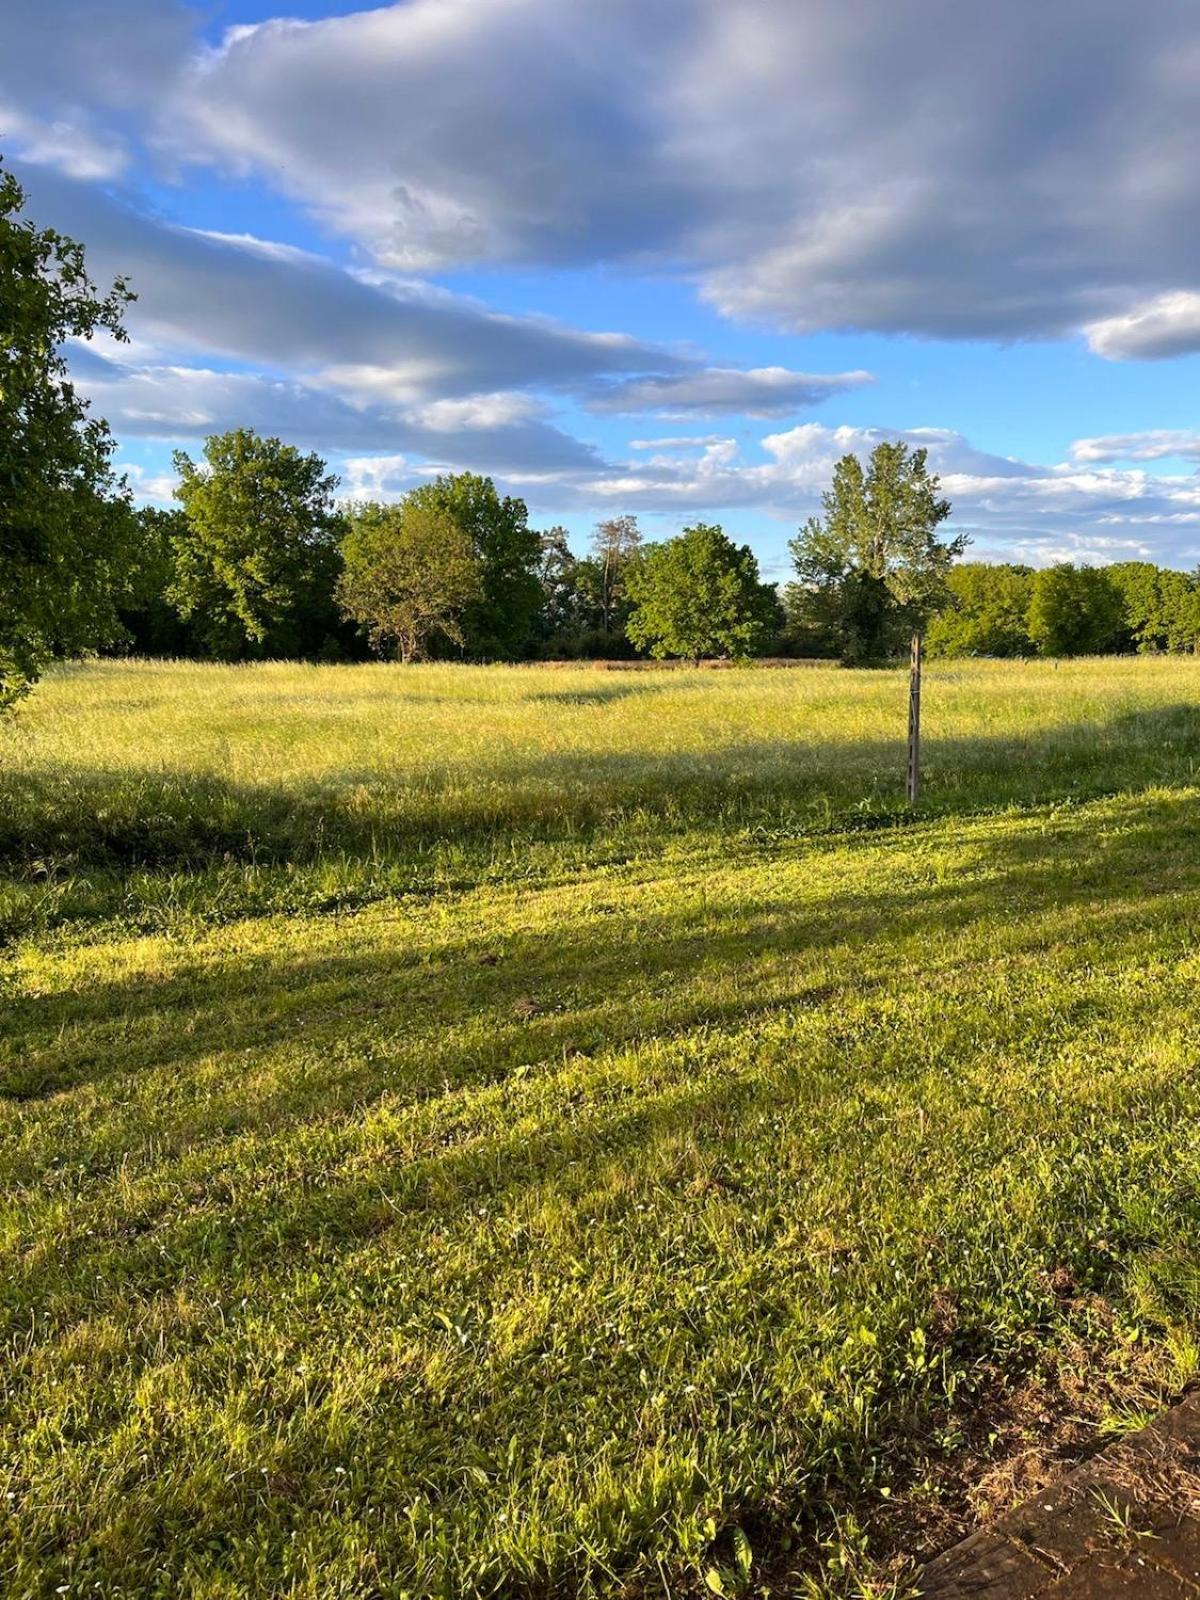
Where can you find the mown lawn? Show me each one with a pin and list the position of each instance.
(538, 1132)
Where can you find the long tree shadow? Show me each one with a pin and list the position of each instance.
(273, 1188)
(418, 983)
(181, 818)
(438, 1022)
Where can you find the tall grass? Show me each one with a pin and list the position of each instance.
(154, 763)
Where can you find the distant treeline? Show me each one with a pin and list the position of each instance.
(1001, 609)
(260, 562)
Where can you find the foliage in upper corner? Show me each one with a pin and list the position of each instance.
(872, 569)
(66, 522)
(700, 595)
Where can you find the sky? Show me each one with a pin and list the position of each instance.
(668, 257)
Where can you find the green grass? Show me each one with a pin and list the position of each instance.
(539, 1132)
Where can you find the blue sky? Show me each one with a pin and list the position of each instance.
(670, 259)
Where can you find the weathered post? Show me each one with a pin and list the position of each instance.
(914, 722)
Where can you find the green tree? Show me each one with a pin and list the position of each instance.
(615, 546)
(409, 572)
(501, 623)
(1161, 606)
(256, 559)
(872, 569)
(558, 574)
(152, 625)
(1180, 601)
(67, 530)
(1074, 611)
(987, 614)
(1138, 582)
(700, 595)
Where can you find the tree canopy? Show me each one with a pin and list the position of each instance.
(872, 568)
(987, 612)
(1074, 611)
(256, 556)
(700, 595)
(409, 572)
(66, 522)
(500, 624)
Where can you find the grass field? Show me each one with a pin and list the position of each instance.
(537, 1132)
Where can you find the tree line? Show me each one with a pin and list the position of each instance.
(259, 559)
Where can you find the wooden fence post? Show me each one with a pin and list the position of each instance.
(914, 722)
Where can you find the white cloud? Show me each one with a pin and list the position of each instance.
(377, 341)
(1168, 325)
(716, 391)
(70, 147)
(1153, 445)
(1012, 509)
(960, 171)
(378, 477)
(677, 442)
(501, 434)
(150, 488)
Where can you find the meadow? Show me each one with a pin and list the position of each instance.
(545, 1132)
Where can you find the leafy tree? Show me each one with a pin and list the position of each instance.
(256, 558)
(700, 595)
(872, 569)
(501, 623)
(988, 612)
(409, 573)
(1074, 611)
(1138, 582)
(1161, 606)
(66, 522)
(561, 611)
(615, 546)
(152, 625)
(1179, 599)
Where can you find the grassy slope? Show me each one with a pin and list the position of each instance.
(572, 1125)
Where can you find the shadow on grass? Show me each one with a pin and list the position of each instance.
(183, 1155)
(178, 818)
(417, 983)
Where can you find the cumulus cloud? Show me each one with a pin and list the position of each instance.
(1012, 509)
(282, 307)
(1168, 325)
(179, 403)
(1153, 445)
(716, 391)
(69, 77)
(380, 342)
(71, 147)
(950, 170)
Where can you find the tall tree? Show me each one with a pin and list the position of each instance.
(615, 545)
(700, 595)
(409, 572)
(500, 624)
(66, 523)
(1074, 611)
(562, 612)
(872, 569)
(256, 559)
